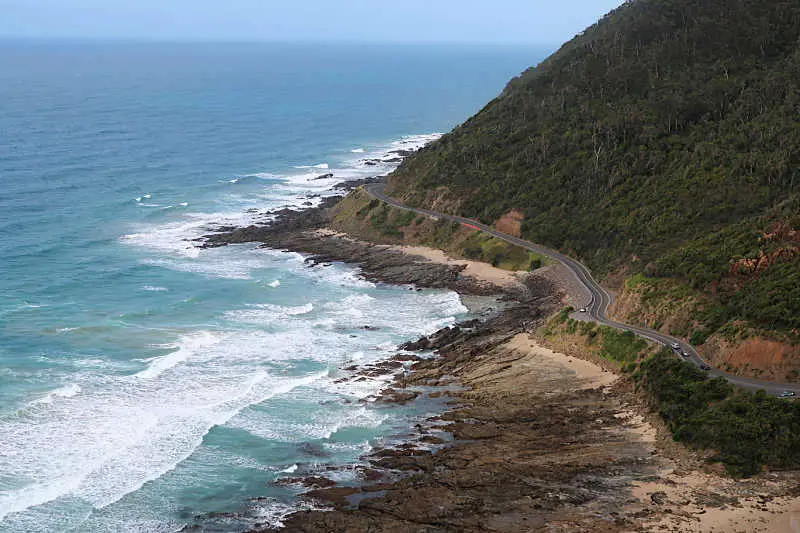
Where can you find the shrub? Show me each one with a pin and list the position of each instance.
(745, 430)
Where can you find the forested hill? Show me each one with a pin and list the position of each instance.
(663, 123)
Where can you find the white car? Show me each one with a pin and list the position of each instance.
(582, 310)
(675, 346)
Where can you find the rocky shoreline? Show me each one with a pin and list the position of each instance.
(533, 440)
(303, 232)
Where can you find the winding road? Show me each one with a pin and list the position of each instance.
(601, 299)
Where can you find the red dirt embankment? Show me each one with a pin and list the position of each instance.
(511, 222)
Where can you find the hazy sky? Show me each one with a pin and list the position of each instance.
(498, 21)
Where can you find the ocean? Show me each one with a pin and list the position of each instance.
(147, 384)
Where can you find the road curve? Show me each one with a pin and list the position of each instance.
(601, 299)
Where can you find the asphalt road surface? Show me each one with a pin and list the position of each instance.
(597, 307)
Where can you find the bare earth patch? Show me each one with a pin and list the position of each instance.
(511, 222)
(476, 269)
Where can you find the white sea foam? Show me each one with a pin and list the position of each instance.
(273, 513)
(294, 191)
(291, 470)
(267, 313)
(99, 446)
(357, 151)
(264, 175)
(153, 288)
(274, 284)
(67, 391)
(127, 427)
(320, 424)
(187, 347)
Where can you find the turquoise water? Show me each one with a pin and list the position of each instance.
(145, 382)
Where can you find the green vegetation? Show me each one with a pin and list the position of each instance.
(360, 215)
(499, 253)
(745, 430)
(663, 139)
(742, 430)
(620, 347)
(772, 300)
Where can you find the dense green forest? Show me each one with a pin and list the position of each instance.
(747, 430)
(664, 139)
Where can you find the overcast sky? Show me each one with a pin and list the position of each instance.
(484, 21)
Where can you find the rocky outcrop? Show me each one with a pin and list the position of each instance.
(522, 458)
(296, 231)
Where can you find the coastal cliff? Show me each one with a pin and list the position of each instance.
(661, 143)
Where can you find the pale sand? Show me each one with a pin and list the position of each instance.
(476, 269)
(685, 495)
(689, 494)
(589, 375)
(522, 363)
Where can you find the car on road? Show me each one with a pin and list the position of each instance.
(675, 346)
(685, 353)
(705, 367)
(582, 310)
(787, 394)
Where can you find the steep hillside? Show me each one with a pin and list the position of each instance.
(664, 140)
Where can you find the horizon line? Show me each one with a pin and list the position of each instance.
(164, 40)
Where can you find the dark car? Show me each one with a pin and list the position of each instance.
(787, 394)
(705, 367)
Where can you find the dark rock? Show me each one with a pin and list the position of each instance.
(659, 498)
(423, 343)
(397, 397)
(313, 449)
(337, 496)
(349, 185)
(311, 482)
(402, 153)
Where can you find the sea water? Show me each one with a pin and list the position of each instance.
(146, 383)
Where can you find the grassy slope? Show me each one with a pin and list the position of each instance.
(663, 140)
(361, 216)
